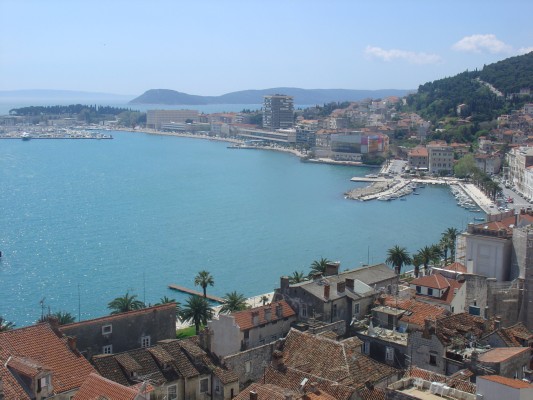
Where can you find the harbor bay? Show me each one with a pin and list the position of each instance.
(86, 221)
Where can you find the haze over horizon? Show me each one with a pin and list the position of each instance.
(211, 48)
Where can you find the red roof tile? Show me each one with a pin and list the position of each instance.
(514, 383)
(96, 387)
(244, 318)
(42, 345)
(501, 354)
(416, 311)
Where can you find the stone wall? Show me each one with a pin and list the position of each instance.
(503, 301)
(250, 365)
(420, 346)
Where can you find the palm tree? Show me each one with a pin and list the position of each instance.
(197, 311)
(233, 302)
(166, 300)
(398, 257)
(61, 317)
(437, 254)
(417, 262)
(425, 255)
(204, 279)
(264, 299)
(5, 325)
(125, 303)
(319, 266)
(451, 234)
(444, 244)
(297, 277)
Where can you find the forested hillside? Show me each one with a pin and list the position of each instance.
(440, 98)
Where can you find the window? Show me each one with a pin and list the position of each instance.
(430, 292)
(248, 366)
(418, 289)
(356, 309)
(334, 312)
(432, 358)
(172, 392)
(366, 347)
(107, 349)
(304, 310)
(204, 385)
(145, 341)
(389, 353)
(107, 329)
(247, 334)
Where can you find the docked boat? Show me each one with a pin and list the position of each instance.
(25, 136)
(384, 198)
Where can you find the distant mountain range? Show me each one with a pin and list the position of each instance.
(301, 96)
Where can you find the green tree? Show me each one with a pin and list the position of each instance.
(62, 318)
(451, 236)
(204, 279)
(465, 167)
(436, 254)
(125, 303)
(444, 244)
(319, 266)
(398, 257)
(425, 255)
(233, 301)
(297, 277)
(197, 311)
(5, 325)
(417, 262)
(264, 299)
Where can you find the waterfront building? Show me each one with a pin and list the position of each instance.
(519, 160)
(125, 331)
(155, 118)
(417, 159)
(281, 137)
(488, 163)
(243, 330)
(350, 146)
(440, 158)
(278, 111)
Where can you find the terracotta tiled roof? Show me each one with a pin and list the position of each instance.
(42, 345)
(514, 383)
(244, 318)
(419, 151)
(225, 375)
(334, 361)
(456, 266)
(26, 366)
(505, 223)
(12, 388)
(374, 393)
(416, 311)
(264, 392)
(96, 387)
(435, 281)
(457, 325)
(518, 332)
(501, 354)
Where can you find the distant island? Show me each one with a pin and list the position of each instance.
(301, 96)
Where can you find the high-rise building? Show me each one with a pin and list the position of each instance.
(278, 112)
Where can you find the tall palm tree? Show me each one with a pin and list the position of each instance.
(398, 257)
(426, 255)
(437, 254)
(204, 279)
(196, 310)
(417, 262)
(5, 325)
(233, 301)
(297, 277)
(451, 234)
(319, 266)
(444, 244)
(125, 303)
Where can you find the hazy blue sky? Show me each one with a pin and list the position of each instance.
(214, 47)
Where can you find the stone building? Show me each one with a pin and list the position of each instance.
(125, 331)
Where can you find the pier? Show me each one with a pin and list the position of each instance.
(195, 293)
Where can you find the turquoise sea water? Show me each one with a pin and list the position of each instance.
(84, 221)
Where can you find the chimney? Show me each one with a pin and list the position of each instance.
(284, 284)
(313, 387)
(253, 395)
(350, 283)
(279, 310)
(341, 286)
(332, 268)
(255, 318)
(268, 313)
(326, 291)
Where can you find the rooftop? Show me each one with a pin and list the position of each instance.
(514, 383)
(501, 354)
(244, 319)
